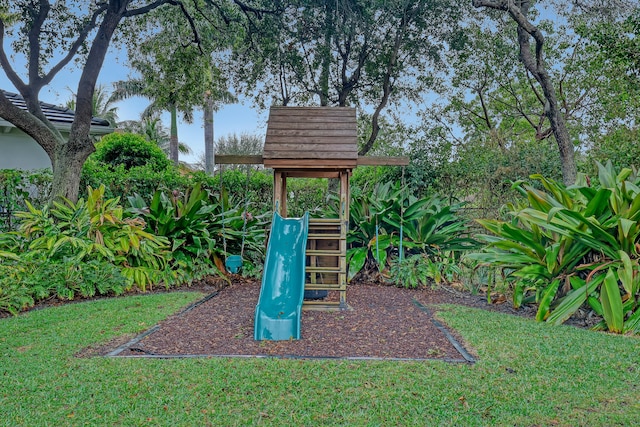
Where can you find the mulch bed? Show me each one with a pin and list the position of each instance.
(383, 322)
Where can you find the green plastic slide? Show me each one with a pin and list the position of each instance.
(279, 307)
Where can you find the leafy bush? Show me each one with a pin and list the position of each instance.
(16, 186)
(26, 281)
(419, 270)
(428, 227)
(573, 246)
(120, 182)
(93, 229)
(197, 227)
(130, 150)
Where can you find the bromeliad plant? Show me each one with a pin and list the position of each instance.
(197, 225)
(573, 246)
(183, 220)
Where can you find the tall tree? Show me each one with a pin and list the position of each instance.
(52, 34)
(176, 75)
(534, 62)
(368, 54)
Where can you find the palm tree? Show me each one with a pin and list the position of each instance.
(102, 105)
(154, 131)
(137, 87)
(210, 106)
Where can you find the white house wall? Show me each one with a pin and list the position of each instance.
(19, 151)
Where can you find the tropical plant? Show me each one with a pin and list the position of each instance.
(183, 219)
(199, 230)
(572, 246)
(86, 248)
(389, 222)
(420, 270)
(94, 229)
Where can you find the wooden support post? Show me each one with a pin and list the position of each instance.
(344, 219)
(283, 196)
(277, 191)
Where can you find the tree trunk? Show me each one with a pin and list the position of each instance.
(386, 85)
(326, 56)
(535, 64)
(209, 159)
(173, 140)
(67, 169)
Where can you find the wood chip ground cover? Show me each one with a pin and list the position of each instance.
(383, 322)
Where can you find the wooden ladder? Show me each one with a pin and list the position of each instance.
(327, 262)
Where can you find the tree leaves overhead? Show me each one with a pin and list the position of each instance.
(336, 53)
(368, 54)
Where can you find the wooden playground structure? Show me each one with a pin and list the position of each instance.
(316, 142)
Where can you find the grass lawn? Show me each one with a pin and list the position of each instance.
(527, 374)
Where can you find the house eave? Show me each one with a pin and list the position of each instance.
(6, 127)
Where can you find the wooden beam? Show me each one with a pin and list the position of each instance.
(232, 159)
(317, 156)
(383, 161)
(336, 164)
(311, 174)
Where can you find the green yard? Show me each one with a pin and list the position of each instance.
(528, 374)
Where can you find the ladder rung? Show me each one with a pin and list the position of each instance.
(323, 287)
(323, 306)
(319, 236)
(324, 252)
(335, 270)
(322, 303)
(313, 221)
(324, 230)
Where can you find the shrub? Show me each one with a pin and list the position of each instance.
(28, 280)
(573, 246)
(120, 182)
(390, 221)
(130, 150)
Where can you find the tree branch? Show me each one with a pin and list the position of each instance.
(90, 25)
(6, 65)
(34, 43)
(26, 122)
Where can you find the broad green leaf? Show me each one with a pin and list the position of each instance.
(595, 304)
(574, 299)
(625, 274)
(606, 175)
(626, 226)
(552, 257)
(612, 303)
(548, 295)
(598, 203)
(356, 258)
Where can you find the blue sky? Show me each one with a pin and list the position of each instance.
(236, 118)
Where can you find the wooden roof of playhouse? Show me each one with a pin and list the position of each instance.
(320, 138)
(311, 138)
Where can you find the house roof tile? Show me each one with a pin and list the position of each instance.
(54, 113)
